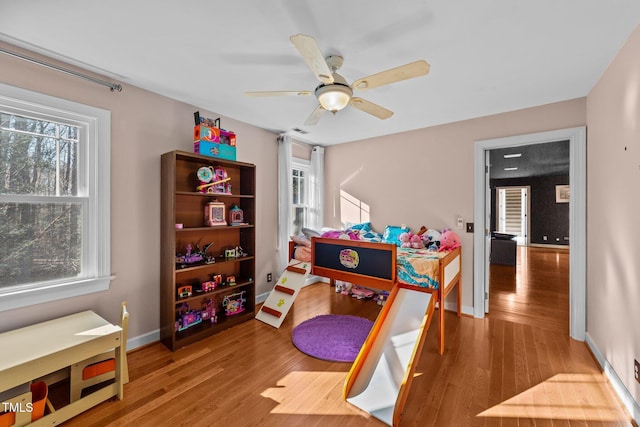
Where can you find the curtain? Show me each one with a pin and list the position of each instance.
(285, 191)
(316, 190)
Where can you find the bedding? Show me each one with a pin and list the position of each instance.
(419, 267)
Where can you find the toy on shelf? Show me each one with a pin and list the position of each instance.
(208, 311)
(194, 257)
(234, 303)
(217, 279)
(236, 216)
(231, 280)
(185, 291)
(186, 318)
(214, 214)
(213, 180)
(236, 252)
(206, 286)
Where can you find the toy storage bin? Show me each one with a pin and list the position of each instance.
(39, 393)
(7, 419)
(214, 149)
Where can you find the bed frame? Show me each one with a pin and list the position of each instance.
(375, 267)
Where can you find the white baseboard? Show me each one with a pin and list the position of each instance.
(453, 306)
(550, 245)
(144, 339)
(618, 386)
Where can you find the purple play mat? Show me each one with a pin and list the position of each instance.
(333, 337)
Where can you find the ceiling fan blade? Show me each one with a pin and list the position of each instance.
(315, 116)
(313, 56)
(279, 93)
(371, 108)
(404, 72)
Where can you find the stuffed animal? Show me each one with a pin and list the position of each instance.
(433, 235)
(416, 241)
(405, 239)
(449, 240)
(343, 287)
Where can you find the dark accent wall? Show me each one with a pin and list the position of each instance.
(548, 218)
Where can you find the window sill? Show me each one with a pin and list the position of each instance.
(28, 297)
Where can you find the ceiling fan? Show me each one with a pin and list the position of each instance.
(333, 92)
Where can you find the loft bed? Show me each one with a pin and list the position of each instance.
(384, 266)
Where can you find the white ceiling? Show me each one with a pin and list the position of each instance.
(486, 56)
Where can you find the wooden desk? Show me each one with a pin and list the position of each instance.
(37, 350)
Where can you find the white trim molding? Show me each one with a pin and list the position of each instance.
(577, 223)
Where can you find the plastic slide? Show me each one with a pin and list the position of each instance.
(380, 378)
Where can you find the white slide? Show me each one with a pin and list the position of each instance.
(380, 378)
(279, 302)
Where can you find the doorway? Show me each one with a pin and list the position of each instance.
(577, 230)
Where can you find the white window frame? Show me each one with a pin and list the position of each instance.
(94, 170)
(302, 165)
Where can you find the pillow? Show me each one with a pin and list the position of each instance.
(371, 236)
(365, 226)
(302, 253)
(310, 233)
(392, 234)
(301, 241)
(340, 234)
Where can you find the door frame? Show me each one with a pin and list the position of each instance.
(577, 219)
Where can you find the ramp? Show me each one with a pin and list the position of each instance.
(380, 378)
(279, 302)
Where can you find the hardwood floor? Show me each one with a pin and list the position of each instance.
(494, 372)
(535, 292)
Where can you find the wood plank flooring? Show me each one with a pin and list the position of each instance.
(535, 292)
(494, 372)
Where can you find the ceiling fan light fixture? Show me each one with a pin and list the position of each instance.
(334, 97)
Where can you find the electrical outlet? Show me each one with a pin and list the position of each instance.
(636, 370)
(269, 277)
(469, 227)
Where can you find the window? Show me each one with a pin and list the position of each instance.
(300, 195)
(512, 206)
(54, 198)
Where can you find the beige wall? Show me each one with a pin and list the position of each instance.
(143, 126)
(613, 230)
(425, 177)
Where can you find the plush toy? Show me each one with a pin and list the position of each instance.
(343, 287)
(433, 235)
(410, 240)
(449, 240)
(416, 242)
(405, 239)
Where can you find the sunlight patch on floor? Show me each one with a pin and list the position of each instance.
(562, 397)
(311, 393)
